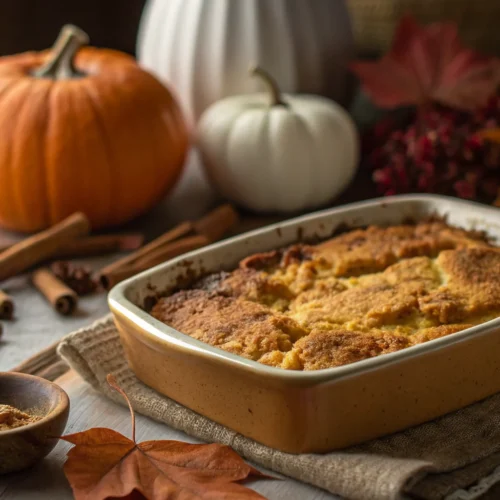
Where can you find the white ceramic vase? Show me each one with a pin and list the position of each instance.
(203, 48)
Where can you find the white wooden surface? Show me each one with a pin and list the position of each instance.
(89, 409)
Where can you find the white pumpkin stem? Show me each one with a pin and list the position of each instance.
(60, 66)
(271, 83)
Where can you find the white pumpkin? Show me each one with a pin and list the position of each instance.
(202, 48)
(278, 153)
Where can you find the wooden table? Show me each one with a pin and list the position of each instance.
(38, 326)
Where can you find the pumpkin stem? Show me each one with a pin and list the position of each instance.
(61, 63)
(271, 83)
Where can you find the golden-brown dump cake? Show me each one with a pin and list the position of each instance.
(363, 293)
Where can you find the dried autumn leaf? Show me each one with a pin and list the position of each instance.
(429, 63)
(104, 463)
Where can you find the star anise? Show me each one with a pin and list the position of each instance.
(78, 278)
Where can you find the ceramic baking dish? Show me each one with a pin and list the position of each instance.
(313, 411)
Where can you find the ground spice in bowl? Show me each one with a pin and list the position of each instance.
(12, 418)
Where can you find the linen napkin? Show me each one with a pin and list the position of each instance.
(431, 461)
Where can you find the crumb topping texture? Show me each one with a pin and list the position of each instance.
(358, 295)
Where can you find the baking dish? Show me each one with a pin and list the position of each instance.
(313, 411)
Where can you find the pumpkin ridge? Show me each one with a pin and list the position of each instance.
(23, 103)
(4, 91)
(24, 210)
(43, 158)
(232, 132)
(312, 151)
(309, 128)
(177, 32)
(51, 117)
(197, 58)
(104, 140)
(273, 127)
(165, 13)
(97, 96)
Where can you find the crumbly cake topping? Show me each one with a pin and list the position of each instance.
(358, 295)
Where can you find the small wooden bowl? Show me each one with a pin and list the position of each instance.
(22, 447)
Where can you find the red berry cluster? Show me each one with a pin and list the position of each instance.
(438, 151)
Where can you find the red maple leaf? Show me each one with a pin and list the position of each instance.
(429, 63)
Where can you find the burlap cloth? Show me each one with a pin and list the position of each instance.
(431, 461)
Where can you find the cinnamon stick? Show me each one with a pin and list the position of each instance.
(100, 244)
(177, 232)
(6, 306)
(209, 228)
(96, 245)
(63, 299)
(216, 223)
(152, 259)
(42, 246)
(114, 277)
(172, 250)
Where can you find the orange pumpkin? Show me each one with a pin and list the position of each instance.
(92, 133)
